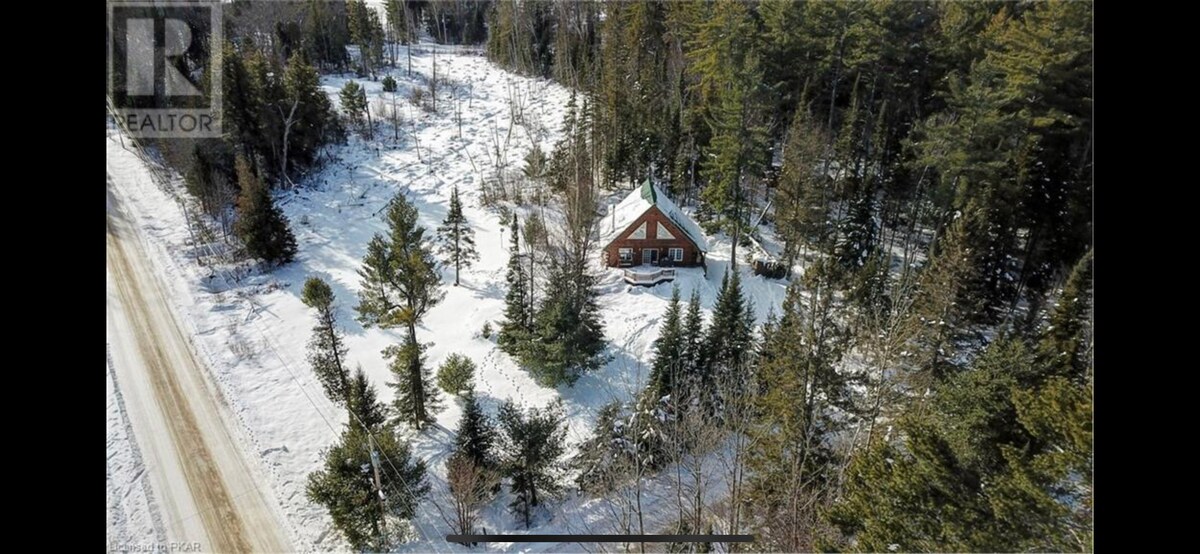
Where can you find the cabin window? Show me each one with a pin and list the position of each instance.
(676, 254)
(640, 232)
(663, 233)
(625, 255)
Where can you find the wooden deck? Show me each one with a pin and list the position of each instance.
(649, 276)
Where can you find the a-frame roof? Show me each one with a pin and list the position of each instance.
(636, 203)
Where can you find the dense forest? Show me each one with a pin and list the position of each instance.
(926, 168)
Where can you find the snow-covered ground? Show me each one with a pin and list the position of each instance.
(252, 333)
(133, 517)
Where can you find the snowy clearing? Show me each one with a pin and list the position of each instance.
(252, 334)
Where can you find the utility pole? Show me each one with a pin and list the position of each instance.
(378, 487)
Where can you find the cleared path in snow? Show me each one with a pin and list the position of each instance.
(207, 492)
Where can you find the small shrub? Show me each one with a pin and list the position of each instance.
(486, 332)
(389, 84)
(456, 373)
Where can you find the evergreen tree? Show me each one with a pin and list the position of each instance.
(457, 237)
(417, 398)
(399, 274)
(1065, 345)
(326, 33)
(945, 298)
(326, 348)
(605, 459)
(692, 361)
(363, 403)
(1046, 493)
(568, 335)
(729, 337)
(456, 374)
(725, 59)
(313, 121)
(366, 31)
(354, 104)
(790, 463)
(533, 444)
(260, 225)
(1001, 462)
(802, 200)
(346, 483)
(476, 437)
(668, 351)
(517, 327)
(400, 284)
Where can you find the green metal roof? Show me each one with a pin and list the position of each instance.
(648, 192)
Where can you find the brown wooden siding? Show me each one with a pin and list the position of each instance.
(691, 255)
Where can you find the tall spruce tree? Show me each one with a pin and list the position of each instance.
(532, 445)
(691, 367)
(327, 347)
(729, 337)
(476, 438)
(790, 463)
(363, 403)
(457, 237)
(517, 327)
(345, 484)
(399, 275)
(354, 104)
(400, 284)
(1065, 345)
(417, 396)
(260, 224)
(568, 336)
(668, 350)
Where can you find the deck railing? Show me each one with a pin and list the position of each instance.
(649, 276)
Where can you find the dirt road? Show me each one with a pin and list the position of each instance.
(209, 496)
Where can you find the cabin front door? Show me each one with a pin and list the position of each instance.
(649, 256)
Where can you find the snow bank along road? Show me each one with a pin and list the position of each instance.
(208, 494)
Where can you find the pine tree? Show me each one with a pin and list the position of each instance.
(314, 122)
(456, 374)
(1046, 493)
(457, 237)
(605, 459)
(354, 104)
(517, 327)
(400, 284)
(346, 483)
(260, 225)
(400, 281)
(730, 335)
(803, 199)
(476, 436)
(725, 58)
(1002, 461)
(691, 363)
(363, 403)
(417, 398)
(790, 463)
(945, 298)
(1065, 343)
(326, 34)
(326, 348)
(533, 443)
(668, 351)
(568, 336)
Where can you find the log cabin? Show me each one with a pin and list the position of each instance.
(648, 229)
